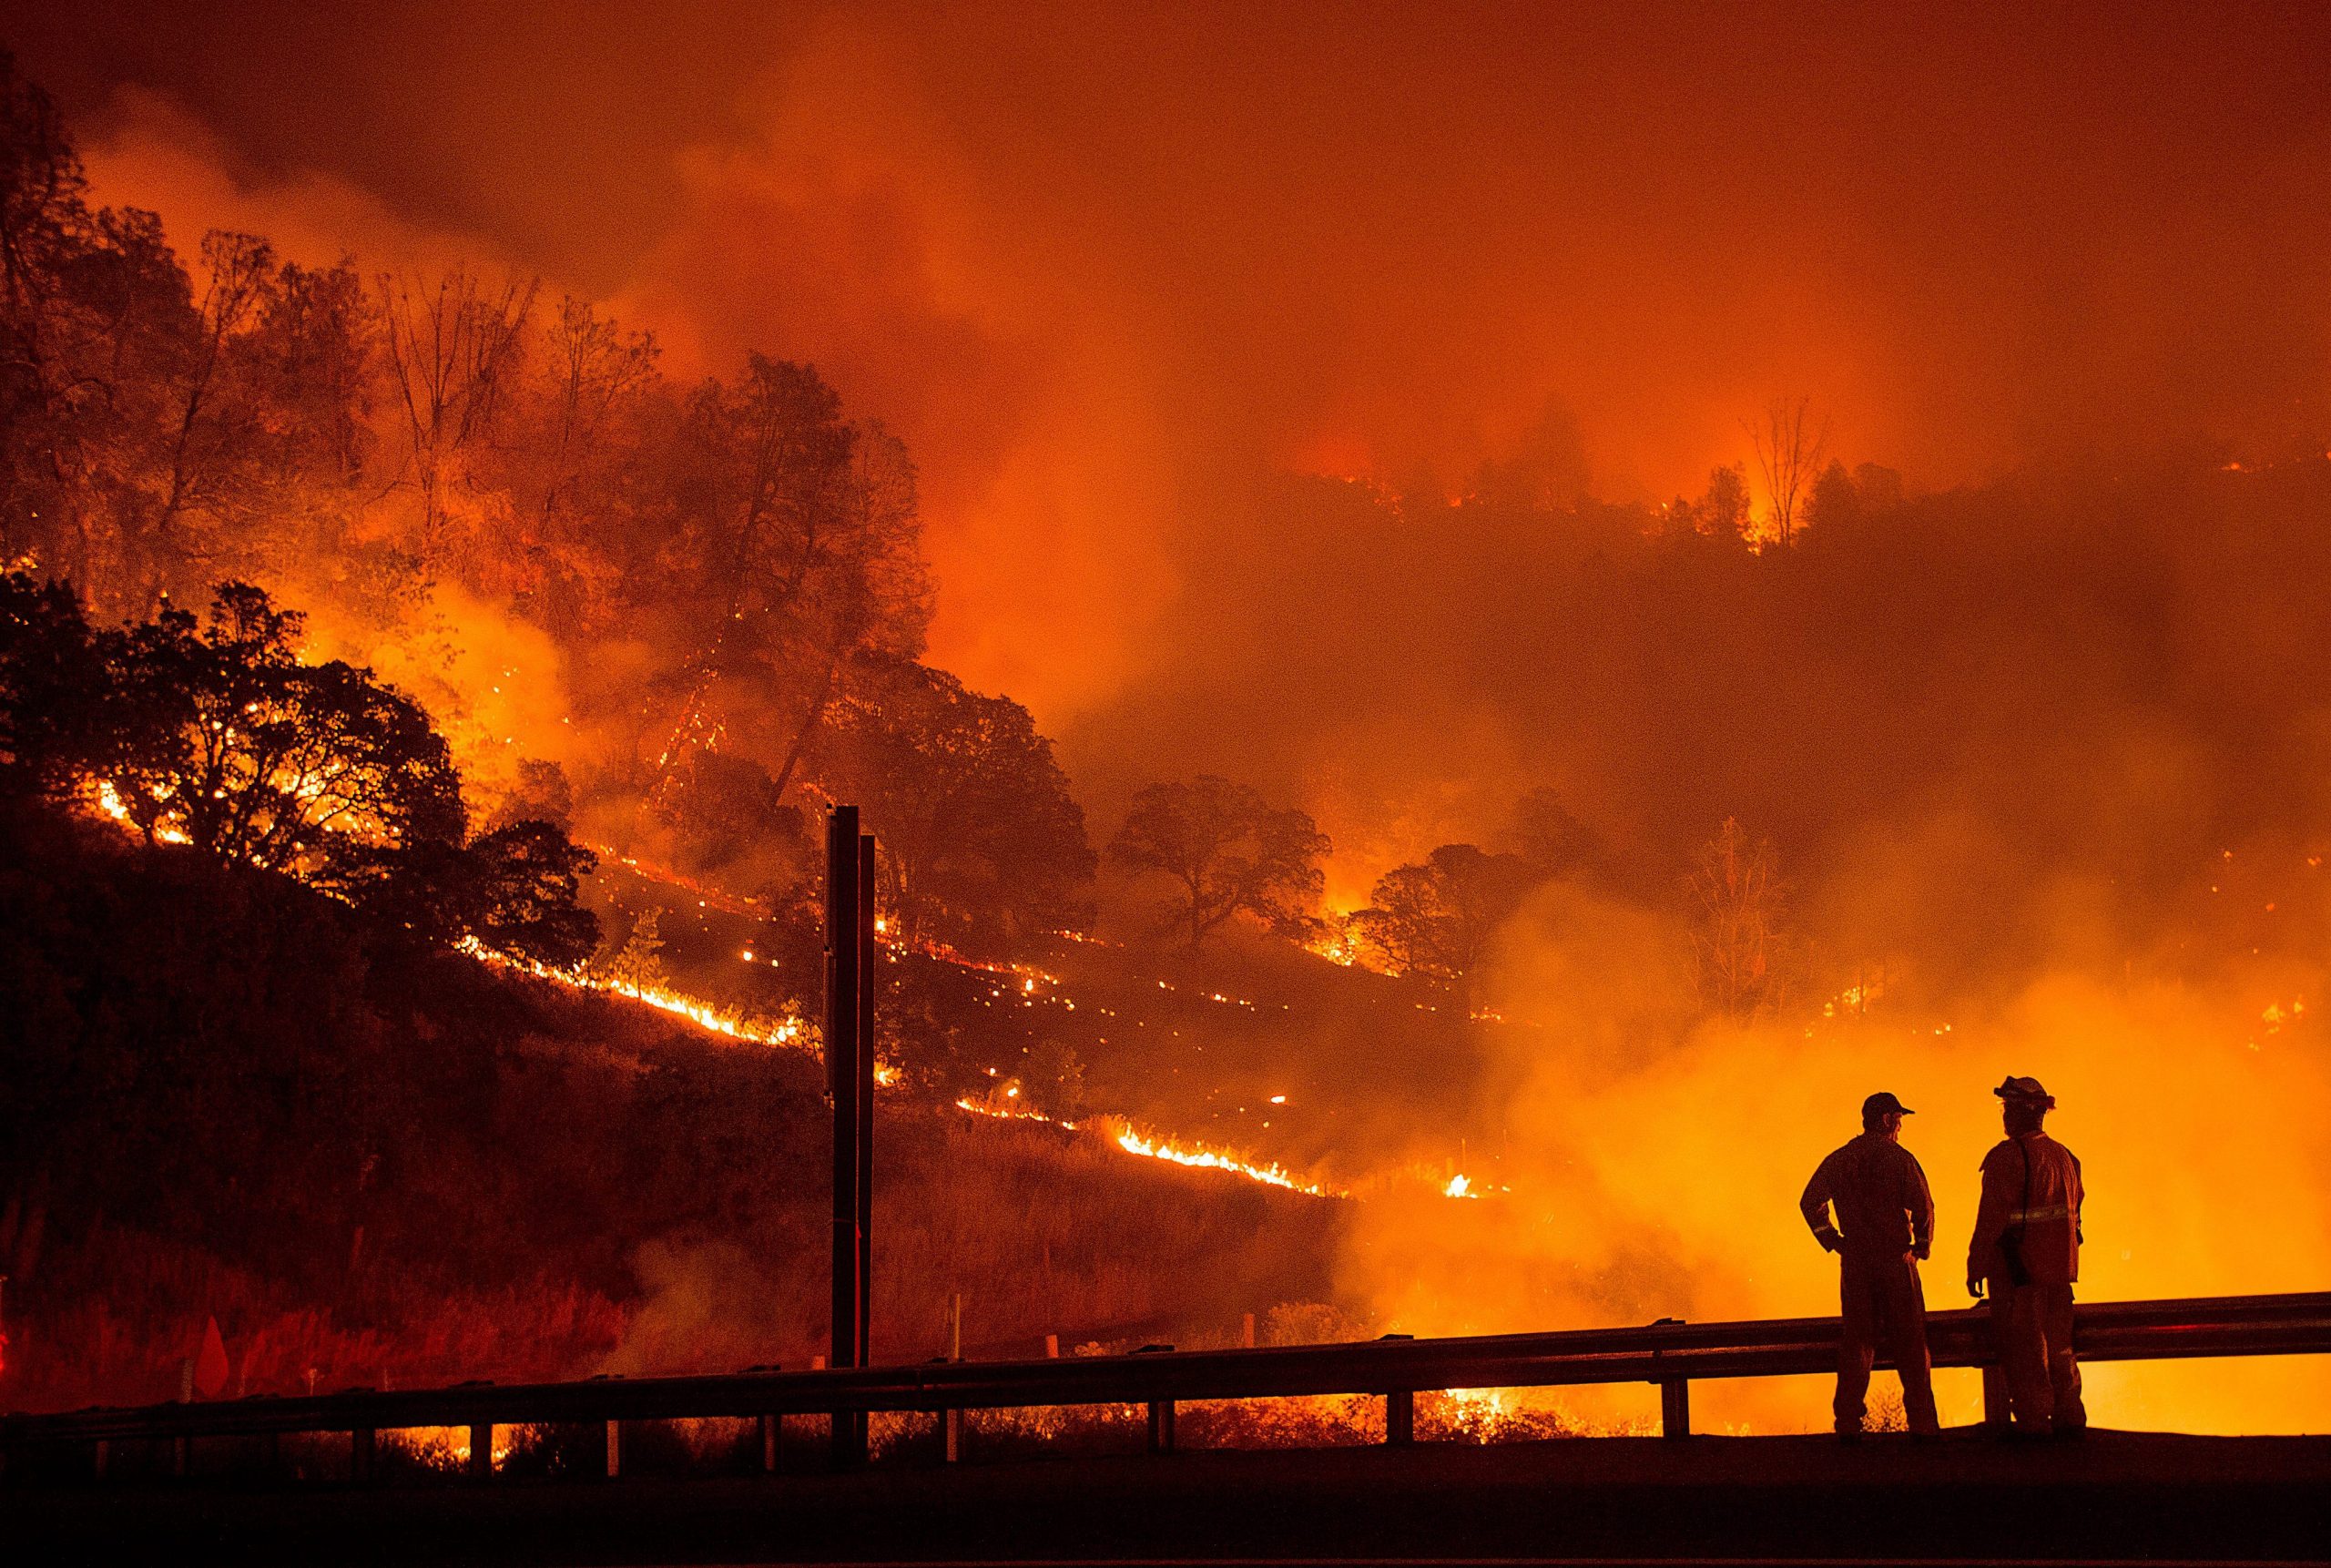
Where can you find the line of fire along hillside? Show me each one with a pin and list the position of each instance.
(794, 1032)
(1025, 980)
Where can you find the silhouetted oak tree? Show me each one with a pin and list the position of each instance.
(1228, 853)
(216, 734)
(1436, 918)
(226, 740)
(980, 839)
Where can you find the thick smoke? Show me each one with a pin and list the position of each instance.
(1088, 262)
(1654, 1157)
(1197, 323)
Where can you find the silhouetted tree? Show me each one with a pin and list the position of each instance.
(1436, 918)
(979, 836)
(1835, 503)
(95, 317)
(450, 353)
(517, 891)
(218, 737)
(52, 690)
(1720, 513)
(1737, 902)
(1052, 1082)
(1228, 853)
(1546, 472)
(1547, 836)
(225, 741)
(637, 963)
(801, 543)
(1789, 455)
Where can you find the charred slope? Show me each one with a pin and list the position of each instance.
(223, 1098)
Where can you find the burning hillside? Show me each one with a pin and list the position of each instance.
(1447, 657)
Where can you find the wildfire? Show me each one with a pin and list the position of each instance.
(448, 1448)
(110, 806)
(790, 1031)
(1199, 1157)
(1009, 1112)
(794, 1032)
(1459, 1186)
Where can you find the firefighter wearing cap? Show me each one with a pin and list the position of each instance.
(1884, 1225)
(2026, 1252)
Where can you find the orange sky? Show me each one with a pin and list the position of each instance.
(1101, 265)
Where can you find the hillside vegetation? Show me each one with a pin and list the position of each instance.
(372, 1163)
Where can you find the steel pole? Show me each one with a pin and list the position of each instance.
(869, 985)
(843, 1077)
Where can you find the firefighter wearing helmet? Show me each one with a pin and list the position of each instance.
(2026, 1252)
(1885, 1223)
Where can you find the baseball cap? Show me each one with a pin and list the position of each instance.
(1881, 1103)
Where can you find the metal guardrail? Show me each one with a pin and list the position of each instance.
(1671, 1355)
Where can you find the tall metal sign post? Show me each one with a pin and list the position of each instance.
(850, 987)
(870, 986)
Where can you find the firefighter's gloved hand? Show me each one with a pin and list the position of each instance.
(1920, 1251)
(1975, 1285)
(1827, 1239)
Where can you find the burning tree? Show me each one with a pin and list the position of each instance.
(1229, 853)
(450, 352)
(801, 537)
(1736, 893)
(217, 736)
(224, 739)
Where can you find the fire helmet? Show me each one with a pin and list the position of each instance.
(2026, 1089)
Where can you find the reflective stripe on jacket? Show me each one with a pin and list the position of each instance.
(2033, 1183)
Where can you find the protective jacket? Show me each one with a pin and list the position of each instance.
(1881, 1195)
(2032, 1188)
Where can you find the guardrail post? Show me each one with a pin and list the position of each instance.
(1675, 1408)
(481, 1449)
(614, 1450)
(772, 1434)
(950, 1419)
(364, 1445)
(105, 1454)
(1400, 1405)
(1674, 1394)
(1161, 1412)
(182, 1447)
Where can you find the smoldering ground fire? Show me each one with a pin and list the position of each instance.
(985, 419)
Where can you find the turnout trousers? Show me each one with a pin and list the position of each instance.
(1884, 1308)
(2033, 1324)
